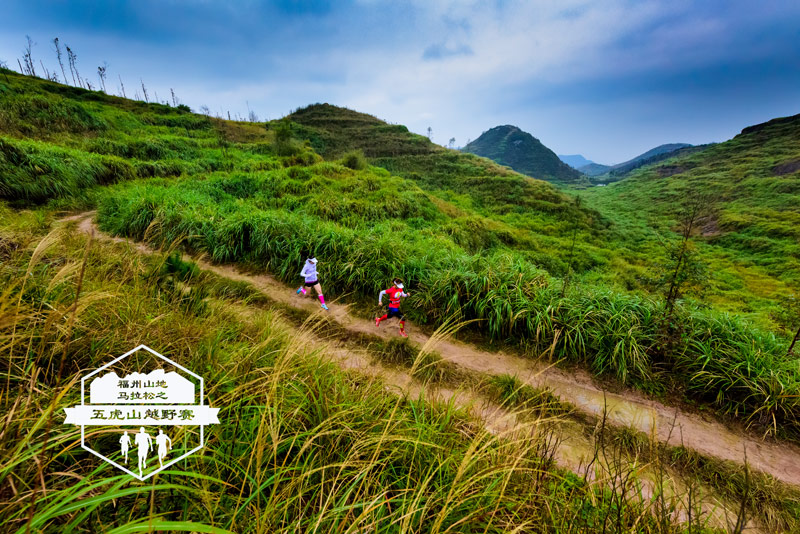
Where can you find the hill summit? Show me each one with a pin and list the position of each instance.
(334, 130)
(511, 146)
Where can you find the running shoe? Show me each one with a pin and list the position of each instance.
(403, 333)
(325, 307)
(299, 290)
(377, 321)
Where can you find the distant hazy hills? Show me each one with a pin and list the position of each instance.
(576, 161)
(508, 145)
(590, 168)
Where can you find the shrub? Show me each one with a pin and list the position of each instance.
(355, 160)
(301, 157)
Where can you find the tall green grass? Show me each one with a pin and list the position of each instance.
(34, 172)
(474, 239)
(753, 261)
(719, 359)
(302, 446)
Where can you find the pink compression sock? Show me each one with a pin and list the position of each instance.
(322, 299)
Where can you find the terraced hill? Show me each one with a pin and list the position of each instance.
(334, 130)
(491, 188)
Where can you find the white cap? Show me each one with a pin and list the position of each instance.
(312, 260)
(399, 285)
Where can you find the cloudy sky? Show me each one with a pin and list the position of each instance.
(608, 79)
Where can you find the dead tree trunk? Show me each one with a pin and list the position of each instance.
(73, 65)
(101, 73)
(58, 55)
(28, 56)
(71, 62)
(794, 342)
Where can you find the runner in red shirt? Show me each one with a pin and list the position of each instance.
(395, 293)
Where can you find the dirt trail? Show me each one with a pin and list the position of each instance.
(574, 449)
(630, 409)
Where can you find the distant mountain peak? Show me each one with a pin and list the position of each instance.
(576, 161)
(511, 146)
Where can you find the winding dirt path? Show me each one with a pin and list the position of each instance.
(629, 409)
(573, 451)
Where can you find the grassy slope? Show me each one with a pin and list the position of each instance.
(619, 172)
(536, 214)
(470, 237)
(301, 445)
(752, 242)
(487, 186)
(58, 141)
(621, 235)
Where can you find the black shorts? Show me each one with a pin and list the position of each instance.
(311, 284)
(395, 312)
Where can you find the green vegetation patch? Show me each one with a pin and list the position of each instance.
(34, 172)
(272, 219)
(750, 237)
(301, 445)
(476, 241)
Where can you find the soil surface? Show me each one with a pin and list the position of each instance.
(787, 168)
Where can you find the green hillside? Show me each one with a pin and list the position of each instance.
(334, 130)
(750, 233)
(594, 169)
(508, 145)
(520, 264)
(487, 188)
(657, 151)
(520, 261)
(617, 172)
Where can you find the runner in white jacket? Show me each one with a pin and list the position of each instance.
(309, 272)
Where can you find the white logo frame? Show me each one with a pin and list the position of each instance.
(174, 460)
